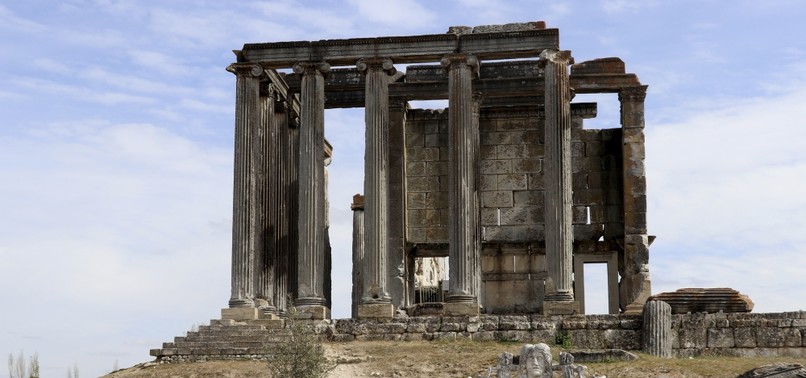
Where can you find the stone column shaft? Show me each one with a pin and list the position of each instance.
(557, 173)
(463, 142)
(310, 260)
(376, 178)
(267, 182)
(358, 252)
(657, 329)
(247, 119)
(396, 266)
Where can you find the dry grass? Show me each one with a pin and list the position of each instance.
(453, 359)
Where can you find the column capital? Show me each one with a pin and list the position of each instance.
(246, 69)
(364, 65)
(457, 60)
(307, 68)
(633, 93)
(555, 56)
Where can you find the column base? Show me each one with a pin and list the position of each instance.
(316, 312)
(461, 308)
(241, 302)
(239, 313)
(561, 308)
(376, 311)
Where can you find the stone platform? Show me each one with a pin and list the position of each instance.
(701, 334)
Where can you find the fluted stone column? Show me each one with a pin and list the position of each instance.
(557, 172)
(635, 285)
(358, 252)
(657, 329)
(463, 147)
(310, 258)
(396, 264)
(376, 186)
(287, 203)
(247, 120)
(267, 186)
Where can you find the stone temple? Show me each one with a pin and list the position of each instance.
(507, 182)
(508, 190)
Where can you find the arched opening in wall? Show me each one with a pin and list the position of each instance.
(596, 293)
(344, 130)
(608, 110)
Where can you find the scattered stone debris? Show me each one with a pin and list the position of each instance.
(534, 361)
(603, 355)
(776, 371)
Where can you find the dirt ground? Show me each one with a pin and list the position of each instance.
(448, 359)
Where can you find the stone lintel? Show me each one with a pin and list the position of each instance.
(461, 308)
(561, 308)
(403, 49)
(240, 313)
(312, 312)
(376, 311)
(610, 65)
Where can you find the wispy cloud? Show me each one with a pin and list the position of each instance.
(10, 21)
(405, 14)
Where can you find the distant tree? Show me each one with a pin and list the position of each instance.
(18, 368)
(34, 367)
(72, 373)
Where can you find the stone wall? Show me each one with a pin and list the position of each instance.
(740, 334)
(512, 196)
(694, 335)
(588, 332)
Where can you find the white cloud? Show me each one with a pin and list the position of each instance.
(8, 20)
(118, 218)
(406, 14)
(622, 6)
(80, 93)
(725, 196)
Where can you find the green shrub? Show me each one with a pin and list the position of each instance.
(300, 354)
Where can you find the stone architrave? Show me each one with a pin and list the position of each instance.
(311, 251)
(463, 147)
(244, 233)
(376, 179)
(634, 288)
(557, 171)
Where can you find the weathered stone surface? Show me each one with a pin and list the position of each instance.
(776, 371)
(376, 311)
(603, 355)
(657, 335)
(239, 313)
(711, 300)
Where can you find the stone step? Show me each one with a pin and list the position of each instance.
(208, 351)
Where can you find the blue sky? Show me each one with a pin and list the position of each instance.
(117, 131)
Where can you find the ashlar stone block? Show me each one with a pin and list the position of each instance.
(721, 338)
(496, 199)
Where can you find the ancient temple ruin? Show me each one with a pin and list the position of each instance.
(508, 183)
